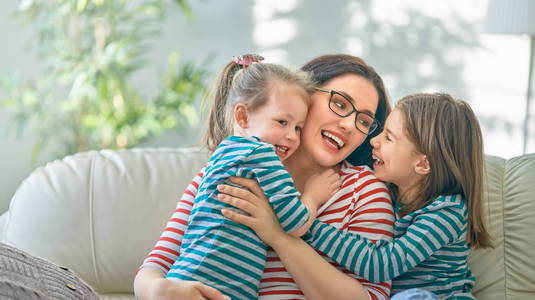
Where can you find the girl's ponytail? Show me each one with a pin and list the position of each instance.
(220, 118)
(218, 125)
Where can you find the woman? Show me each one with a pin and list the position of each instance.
(350, 95)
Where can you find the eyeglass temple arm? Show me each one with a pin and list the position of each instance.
(323, 90)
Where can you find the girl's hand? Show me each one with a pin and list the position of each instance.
(260, 218)
(320, 187)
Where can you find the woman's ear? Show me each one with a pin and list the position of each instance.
(241, 116)
(422, 165)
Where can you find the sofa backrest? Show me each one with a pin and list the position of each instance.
(100, 213)
(507, 271)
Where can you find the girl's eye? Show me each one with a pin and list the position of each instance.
(282, 122)
(388, 138)
(298, 128)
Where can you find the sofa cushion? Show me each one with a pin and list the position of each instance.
(100, 213)
(507, 271)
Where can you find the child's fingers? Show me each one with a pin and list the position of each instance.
(237, 203)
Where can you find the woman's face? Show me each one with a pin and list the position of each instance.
(329, 138)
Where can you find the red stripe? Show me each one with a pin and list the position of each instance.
(162, 257)
(273, 258)
(374, 191)
(170, 240)
(377, 210)
(161, 264)
(379, 221)
(277, 279)
(175, 230)
(186, 202)
(189, 193)
(281, 292)
(180, 221)
(372, 230)
(269, 270)
(165, 249)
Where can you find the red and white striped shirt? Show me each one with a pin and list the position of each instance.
(362, 205)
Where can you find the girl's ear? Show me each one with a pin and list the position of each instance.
(241, 116)
(422, 165)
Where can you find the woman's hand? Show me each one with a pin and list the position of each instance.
(260, 218)
(190, 290)
(151, 284)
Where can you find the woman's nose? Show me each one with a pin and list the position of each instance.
(375, 141)
(348, 123)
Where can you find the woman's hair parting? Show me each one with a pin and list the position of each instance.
(448, 133)
(327, 67)
(246, 80)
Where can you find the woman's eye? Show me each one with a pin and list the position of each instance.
(340, 104)
(298, 128)
(282, 122)
(365, 123)
(388, 138)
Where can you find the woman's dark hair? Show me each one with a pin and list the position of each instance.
(327, 67)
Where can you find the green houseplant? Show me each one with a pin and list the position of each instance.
(84, 98)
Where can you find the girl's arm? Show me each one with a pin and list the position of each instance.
(295, 212)
(316, 277)
(439, 224)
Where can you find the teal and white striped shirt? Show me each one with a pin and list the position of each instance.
(219, 252)
(429, 250)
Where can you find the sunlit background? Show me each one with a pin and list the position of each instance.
(415, 45)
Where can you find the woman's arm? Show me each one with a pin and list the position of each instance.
(151, 284)
(315, 276)
(150, 281)
(167, 248)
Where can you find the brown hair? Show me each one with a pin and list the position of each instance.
(327, 67)
(248, 85)
(448, 133)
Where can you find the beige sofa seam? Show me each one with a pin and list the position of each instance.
(91, 216)
(502, 197)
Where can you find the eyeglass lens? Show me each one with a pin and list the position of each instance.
(343, 107)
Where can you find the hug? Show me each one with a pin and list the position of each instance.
(314, 186)
(339, 195)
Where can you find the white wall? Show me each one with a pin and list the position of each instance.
(414, 47)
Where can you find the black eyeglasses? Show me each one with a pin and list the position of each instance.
(343, 107)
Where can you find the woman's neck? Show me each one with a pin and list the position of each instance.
(301, 166)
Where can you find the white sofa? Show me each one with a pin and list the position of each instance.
(99, 213)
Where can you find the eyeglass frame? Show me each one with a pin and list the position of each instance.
(332, 92)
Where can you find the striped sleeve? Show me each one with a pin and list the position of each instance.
(374, 214)
(374, 220)
(167, 248)
(386, 260)
(278, 186)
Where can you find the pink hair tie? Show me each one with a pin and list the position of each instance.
(248, 59)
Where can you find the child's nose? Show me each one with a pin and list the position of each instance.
(291, 135)
(375, 141)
